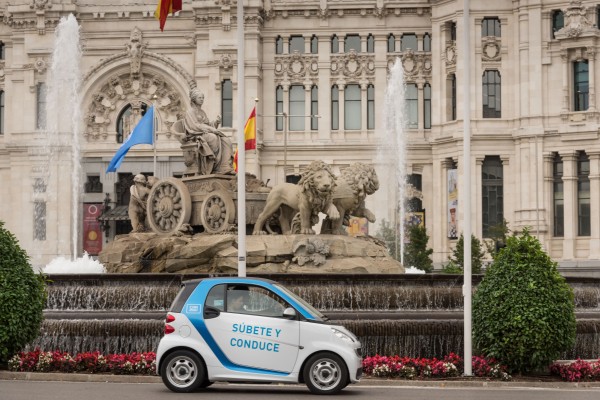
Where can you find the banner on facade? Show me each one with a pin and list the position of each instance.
(452, 203)
(412, 218)
(92, 231)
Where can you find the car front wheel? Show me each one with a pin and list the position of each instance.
(183, 371)
(325, 373)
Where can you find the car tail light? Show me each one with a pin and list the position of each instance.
(169, 329)
(170, 318)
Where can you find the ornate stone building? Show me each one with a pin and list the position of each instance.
(535, 151)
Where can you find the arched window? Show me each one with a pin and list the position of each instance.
(279, 45)
(314, 44)
(335, 44)
(370, 43)
(427, 42)
(391, 43)
(128, 119)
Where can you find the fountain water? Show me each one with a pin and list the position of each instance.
(62, 131)
(392, 151)
(412, 315)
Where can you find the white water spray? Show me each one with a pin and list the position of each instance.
(392, 152)
(63, 120)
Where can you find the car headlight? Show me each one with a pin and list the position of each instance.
(342, 335)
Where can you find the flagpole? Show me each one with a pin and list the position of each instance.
(154, 135)
(241, 176)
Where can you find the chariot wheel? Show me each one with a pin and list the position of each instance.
(169, 206)
(217, 212)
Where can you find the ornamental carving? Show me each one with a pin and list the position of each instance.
(490, 49)
(576, 22)
(40, 65)
(450, 55)
(295, 67)
(135, 51)
(353, 65)
(414, 64)
(120, 90)
(40, 4)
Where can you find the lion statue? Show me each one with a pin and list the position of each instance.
(354, 184)
(312, 194)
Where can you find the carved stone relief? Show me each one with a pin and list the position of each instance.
(135, 50)
(450, 55)
(296, 67)
(576, 22)
(415, 64)
(353, 65)
(490, 48)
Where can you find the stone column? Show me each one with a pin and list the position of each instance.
(548, 200)
(420, 105)
(341, 114)
(307, 104)
(570, 207)
(594, 199)
(479, 193)
(363, 108)
(565, 81)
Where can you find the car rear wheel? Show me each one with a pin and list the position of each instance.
(183, 371)
(325, 373)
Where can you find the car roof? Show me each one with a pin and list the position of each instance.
(230, 279)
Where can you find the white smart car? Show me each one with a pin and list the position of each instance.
(253, 330)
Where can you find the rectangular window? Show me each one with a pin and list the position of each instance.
(39, 220)
(491, 94)
(452, 89)
(352, 114)
(2, 48)
(279, 108)
(427, 106)
(583, 195)
(370, 107)
(490, 26)
(492, 194)
(408, 41)
(412, 105)
(453, 30)
(314, 108)
(39, 185)
(296, 44)
(1, 112)
(352, 42)
(581, 87)
(227, 103)
(559, 196)
(40, 121)
(93, 184)
(335, 108)
(297, 112)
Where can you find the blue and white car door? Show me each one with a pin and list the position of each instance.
(257, 335)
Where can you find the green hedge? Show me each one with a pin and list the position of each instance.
(22, 297)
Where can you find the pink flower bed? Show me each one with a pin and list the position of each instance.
(92, 363)
(424, 368)
(577, 371)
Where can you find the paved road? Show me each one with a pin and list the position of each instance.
(37, 390)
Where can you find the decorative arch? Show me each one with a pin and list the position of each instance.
(130, 78)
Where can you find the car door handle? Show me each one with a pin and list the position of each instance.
(211, 312)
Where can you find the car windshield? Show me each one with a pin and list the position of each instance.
(306, 305)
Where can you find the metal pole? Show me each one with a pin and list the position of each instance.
(241, 192)
(466, 50)
(154, 132)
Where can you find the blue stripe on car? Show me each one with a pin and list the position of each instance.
(197, 320)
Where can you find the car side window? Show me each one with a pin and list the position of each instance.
(255, 300)
(216, 298)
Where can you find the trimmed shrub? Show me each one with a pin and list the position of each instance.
(523, 309)
(416, 252)
(22, 297)
(477, 254)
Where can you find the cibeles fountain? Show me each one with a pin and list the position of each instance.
(392, 313)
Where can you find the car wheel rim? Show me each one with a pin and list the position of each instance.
(181, 372)
(325, 374)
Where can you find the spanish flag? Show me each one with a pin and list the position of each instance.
(165, 7)
(249, 137)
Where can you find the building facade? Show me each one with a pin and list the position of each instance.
(320, 72)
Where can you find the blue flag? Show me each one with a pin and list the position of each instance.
(143, 133)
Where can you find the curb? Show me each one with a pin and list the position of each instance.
(107, 378)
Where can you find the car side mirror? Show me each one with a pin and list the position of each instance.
(289, 313)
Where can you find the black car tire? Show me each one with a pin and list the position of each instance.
(325, 373)
(183, 371)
